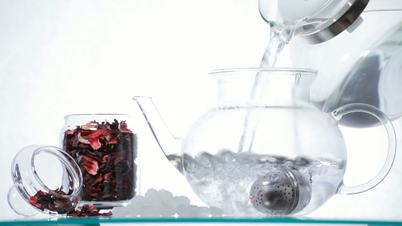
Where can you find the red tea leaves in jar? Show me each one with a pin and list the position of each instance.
(105, 153)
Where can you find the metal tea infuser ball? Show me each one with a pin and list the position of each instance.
(282, 191)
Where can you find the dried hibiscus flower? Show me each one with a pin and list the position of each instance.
(55, 201)
(106, 154)
(88, 210)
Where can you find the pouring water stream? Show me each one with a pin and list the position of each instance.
(279, 37)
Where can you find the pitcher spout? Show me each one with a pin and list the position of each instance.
(167, 142)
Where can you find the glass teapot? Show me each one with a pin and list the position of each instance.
(295, 158)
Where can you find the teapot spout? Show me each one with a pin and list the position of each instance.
(167, 142)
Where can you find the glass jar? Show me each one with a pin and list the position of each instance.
(31, 194)
(105, 148)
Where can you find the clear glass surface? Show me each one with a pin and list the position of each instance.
(285, 221)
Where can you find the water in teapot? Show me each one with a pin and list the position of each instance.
(275, 185)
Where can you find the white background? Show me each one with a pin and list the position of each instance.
(81, 56)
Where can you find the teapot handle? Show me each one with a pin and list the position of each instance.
(339, 113)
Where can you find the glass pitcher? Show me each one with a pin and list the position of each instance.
(295, 158)
(363, 65)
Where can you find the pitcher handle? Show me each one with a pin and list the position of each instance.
(338, 114)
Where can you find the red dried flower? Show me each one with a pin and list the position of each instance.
(52, 201)
(33, 200)
(107, 175)
(111, 139)
(90, 138)
(88, 210)
(123, 127)
(105, 158)
(90, 126)
(90, 165)
(95, 144)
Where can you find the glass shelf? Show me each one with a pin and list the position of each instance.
(132, 214)
(97, 221)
